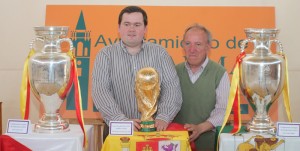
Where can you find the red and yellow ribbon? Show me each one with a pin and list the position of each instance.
(25, 89)
(285, 91)
(234, 99)
(77, 96)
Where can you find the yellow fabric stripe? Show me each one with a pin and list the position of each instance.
(80, 103)
(23, 90)
(286, 93)
(233, 88)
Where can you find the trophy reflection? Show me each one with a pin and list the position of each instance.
(147, 90)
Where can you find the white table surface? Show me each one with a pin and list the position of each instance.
(66, 141)
(228, 142)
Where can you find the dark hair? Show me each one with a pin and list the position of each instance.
(199, 27)
(133, 9)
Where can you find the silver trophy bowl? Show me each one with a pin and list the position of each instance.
(262, 77)
(49, 74)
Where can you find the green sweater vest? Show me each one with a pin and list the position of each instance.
(199, 99)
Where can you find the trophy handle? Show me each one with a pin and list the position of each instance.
(37, 44)
(243, 45)
(58, 44)
(279, 44)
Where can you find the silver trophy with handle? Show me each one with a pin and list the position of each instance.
(49, 74)
(262, 76)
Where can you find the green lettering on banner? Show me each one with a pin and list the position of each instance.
(100, 40)
(215, 43)
(222, 61)
(110, 41)
(166, 41)
(231, 43)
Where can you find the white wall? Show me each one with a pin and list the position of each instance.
(19, 16)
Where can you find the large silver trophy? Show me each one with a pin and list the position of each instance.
(262, 76)
(49, 74)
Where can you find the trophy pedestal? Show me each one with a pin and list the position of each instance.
(148, 126)
(261, 125)
(51, 123)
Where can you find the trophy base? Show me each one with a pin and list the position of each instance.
(148, 129)
(51, 123)
(261, 125)
(148, 126)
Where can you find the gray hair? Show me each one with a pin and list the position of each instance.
(199, 27)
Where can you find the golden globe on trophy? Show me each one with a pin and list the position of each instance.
(147, 90)
(262, 75)
(49, 76)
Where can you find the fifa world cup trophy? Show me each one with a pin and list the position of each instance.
(147, 90)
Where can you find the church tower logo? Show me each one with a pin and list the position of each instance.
(82, 47)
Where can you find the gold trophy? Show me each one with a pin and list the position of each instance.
(147, 90)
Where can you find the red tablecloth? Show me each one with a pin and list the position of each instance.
(9, 144)
(179, 127)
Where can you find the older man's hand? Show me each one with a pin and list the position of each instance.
(161, 125)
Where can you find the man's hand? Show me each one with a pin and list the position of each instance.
(136, 124)
(196, 130)
(161, 125)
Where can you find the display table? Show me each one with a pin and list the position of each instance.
(67, 141)
(142, 140)
(229, 142)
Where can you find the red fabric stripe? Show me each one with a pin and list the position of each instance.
(180, 127)
(236, 103)
(236, 113)
(27, 107)
(240, 57)
(77, 105)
